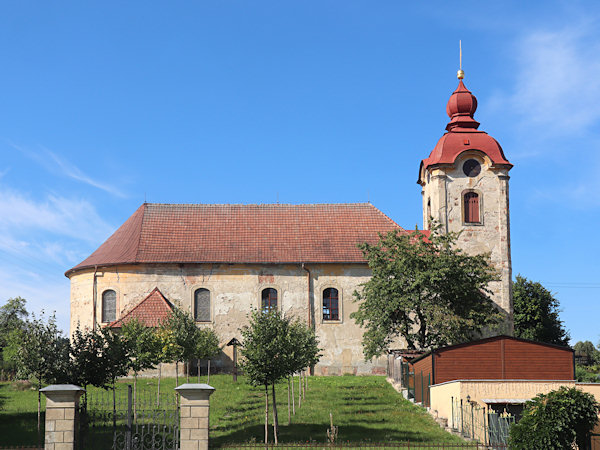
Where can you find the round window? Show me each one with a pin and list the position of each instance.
(471, 168)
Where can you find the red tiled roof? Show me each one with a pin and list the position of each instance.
(168, 233)
(463, 133)
(150, 312)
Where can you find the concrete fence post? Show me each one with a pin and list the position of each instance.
(62, 401)
(193, 410)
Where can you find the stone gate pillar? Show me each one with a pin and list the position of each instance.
(62, 401)
(194, 408)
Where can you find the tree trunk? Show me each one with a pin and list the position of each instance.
(176, 373)
(198, 365)
(289, 409)
(114, 407)
(266, 414)
(275, 418)
(187, 366)
(299, 389)
(208, 377)
(134, 395)
(304, 385)
(158, 392)
(293, 399)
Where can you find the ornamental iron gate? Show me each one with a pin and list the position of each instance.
(108, 422)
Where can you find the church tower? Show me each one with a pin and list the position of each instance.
(465, 189)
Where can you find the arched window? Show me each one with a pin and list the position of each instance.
(202, 305)
(471, 207)
(269, 300)
(109, 306)
(331, 309)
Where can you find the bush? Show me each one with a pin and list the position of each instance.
(555, 421)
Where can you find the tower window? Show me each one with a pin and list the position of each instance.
(109, 306)
(331, 308)
(202, 305)
(269, 300)
(471, 168)
(471, 207)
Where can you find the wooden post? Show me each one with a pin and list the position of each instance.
(234, 343)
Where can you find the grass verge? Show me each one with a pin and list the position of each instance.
(366, 409)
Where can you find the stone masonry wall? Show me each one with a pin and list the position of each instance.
(235, 291)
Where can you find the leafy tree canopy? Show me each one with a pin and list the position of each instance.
(13, 316)
(42, 351)
(207, 344)
(555, 421)
(274, 347)
(536, 313)
(587, 349)
(178, 334)
(143, 344)
(428, 291)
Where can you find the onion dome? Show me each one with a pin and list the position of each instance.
(461, 107)
(463, 133)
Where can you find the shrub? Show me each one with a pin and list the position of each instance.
(555, 421)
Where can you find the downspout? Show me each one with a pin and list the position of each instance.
(308, 295)
(94, 297)
(308, 302)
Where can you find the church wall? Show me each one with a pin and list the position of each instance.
(235, 292)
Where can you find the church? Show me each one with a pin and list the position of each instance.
(220, 262)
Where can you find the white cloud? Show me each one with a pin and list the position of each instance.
(39, 240)
(557, 81)
(62, 216)
(53, 163)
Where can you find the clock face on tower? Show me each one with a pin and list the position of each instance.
(471, 168)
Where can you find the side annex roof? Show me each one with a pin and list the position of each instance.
(150, 312)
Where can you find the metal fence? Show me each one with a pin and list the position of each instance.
(367, 445)
(119, 423)
(416, 384)
(480, 423)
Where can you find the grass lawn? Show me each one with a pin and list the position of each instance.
(364, 408)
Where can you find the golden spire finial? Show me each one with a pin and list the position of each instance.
(460, 74)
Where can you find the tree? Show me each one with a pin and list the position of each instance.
(426, 290)
(555, 421)
(13, 320)
(274, 347)
(207, 346)
(179, 336)
(144, 348)
(87, 364)
(536, 313)
(41, 350)
(588, 351)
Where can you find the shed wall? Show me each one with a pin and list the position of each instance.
(504, 358)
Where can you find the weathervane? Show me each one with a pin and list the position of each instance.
(460, 74)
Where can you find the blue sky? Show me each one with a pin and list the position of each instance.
(105, 104)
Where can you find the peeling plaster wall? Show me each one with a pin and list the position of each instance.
(235, 291)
